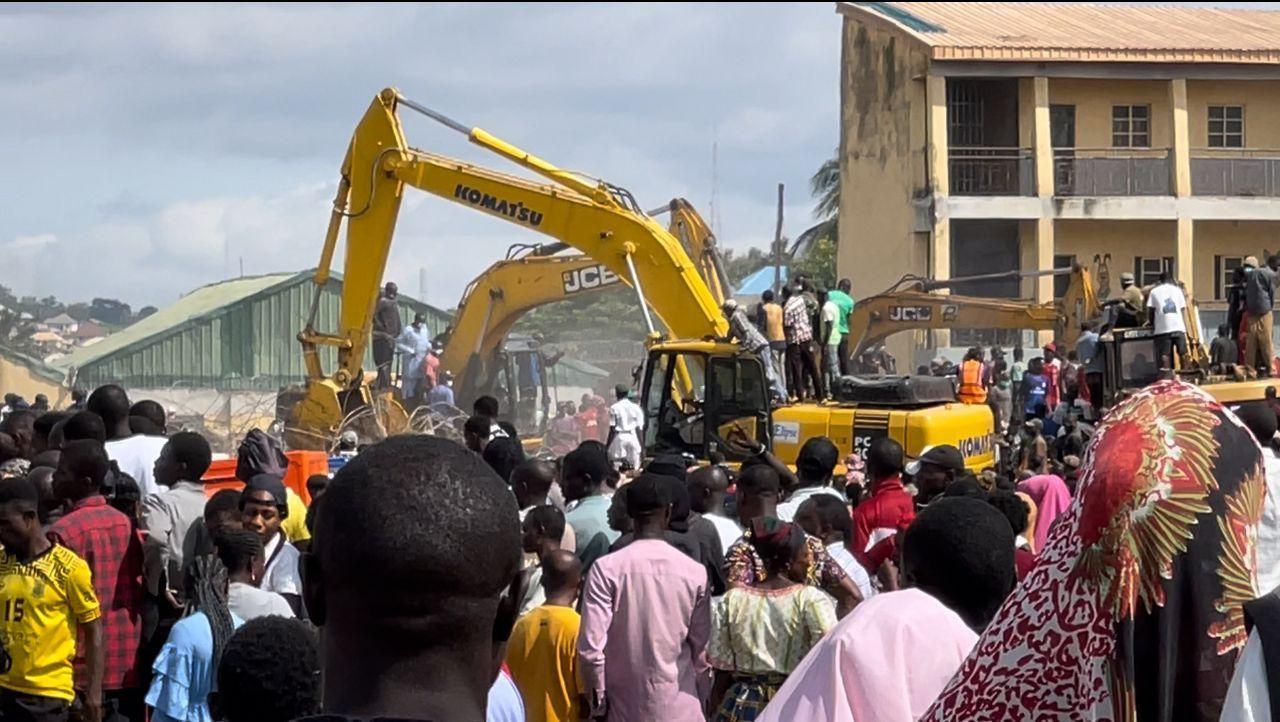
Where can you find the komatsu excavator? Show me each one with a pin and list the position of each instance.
(697, 384)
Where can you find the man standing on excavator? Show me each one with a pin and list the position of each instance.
(414, 345)
(386, 329)
(750, 339)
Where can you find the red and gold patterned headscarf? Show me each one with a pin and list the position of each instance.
(1134, 608)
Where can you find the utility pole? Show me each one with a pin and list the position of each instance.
(777, 246)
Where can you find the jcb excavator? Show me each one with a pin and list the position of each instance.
(476, 348)
(696, 385)
(1128, 354)
(908, 305)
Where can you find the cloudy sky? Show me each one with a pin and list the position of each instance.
(152, 149)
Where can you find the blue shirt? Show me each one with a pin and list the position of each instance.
(440, 394)
(589, 518)
(505, 704)
(414, 344)
(184, 672)
(1037, 387)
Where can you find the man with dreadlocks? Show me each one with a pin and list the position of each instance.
(184, 670)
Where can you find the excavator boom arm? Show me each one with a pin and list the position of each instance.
(507, 290)
(588, 217)
(878, 317)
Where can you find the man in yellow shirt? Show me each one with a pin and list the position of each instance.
(542, 653)
(46, 592)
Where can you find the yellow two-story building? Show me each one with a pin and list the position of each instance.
(987, 137)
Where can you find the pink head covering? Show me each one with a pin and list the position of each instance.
(885, 662)
(1052, 499)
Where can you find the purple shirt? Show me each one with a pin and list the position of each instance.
(646, 618)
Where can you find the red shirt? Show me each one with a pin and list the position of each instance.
(1053, 373)
(106, 540)
(889, 510)
(588, 421)
(1023, 561)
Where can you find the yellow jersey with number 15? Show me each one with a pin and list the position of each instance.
(41, 603)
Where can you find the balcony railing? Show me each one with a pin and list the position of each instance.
(1235, 172)
(992, 172)
(1111, 172)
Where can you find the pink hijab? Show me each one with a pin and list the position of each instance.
(885, 662)
(1052, 499)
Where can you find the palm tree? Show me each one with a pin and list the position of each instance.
(825, 187)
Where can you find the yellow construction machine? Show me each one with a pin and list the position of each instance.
(476, 347)
(1128, 354)
(696, 385)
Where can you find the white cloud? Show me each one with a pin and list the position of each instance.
(184, 138)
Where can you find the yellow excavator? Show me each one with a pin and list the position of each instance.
(1128, 354)
(909, 305)
(535, 275)
(696, 383)
(477, 349)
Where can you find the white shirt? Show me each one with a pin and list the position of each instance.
(282, 575)
(857, 573)
(1169, 303)
(787, 509)
(626, 416)
(1248, 699)
(726, 528)
(136, 456)
(1268, 544)
(249, 602)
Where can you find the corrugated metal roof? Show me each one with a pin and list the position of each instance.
(1079, 32)
(199, 302)
(758, 281)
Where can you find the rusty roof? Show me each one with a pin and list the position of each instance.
(1080, 32)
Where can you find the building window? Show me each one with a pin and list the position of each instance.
(1226, 126)
(1146, 269)
(1130, 126)
(1223, 269)
(1062, 282)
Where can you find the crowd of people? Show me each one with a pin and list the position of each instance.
(802, 340)
(123, 580)
(431, 580)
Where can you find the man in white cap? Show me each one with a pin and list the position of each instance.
(750, 339)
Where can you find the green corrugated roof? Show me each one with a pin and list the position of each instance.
(194, 305)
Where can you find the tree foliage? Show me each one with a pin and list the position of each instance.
(819, 263)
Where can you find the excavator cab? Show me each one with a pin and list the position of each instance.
(516, 375)
(695, 393)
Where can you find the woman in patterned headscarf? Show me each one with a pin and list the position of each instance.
(760, 633)
(1133, 612)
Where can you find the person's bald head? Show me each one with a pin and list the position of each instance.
(561, 572)
(708, 486)
(417, 539)
(531, 482)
